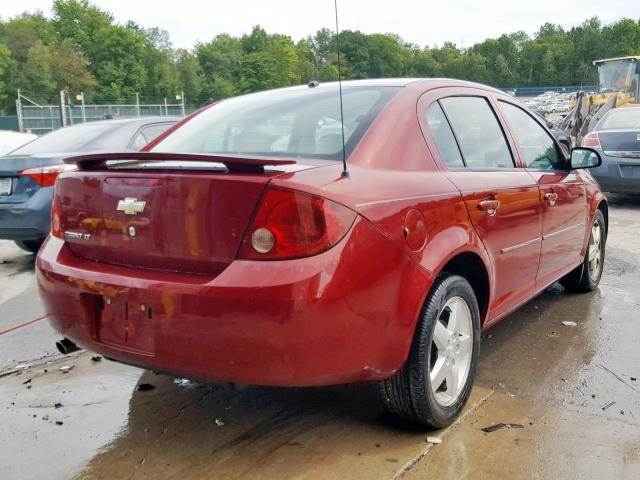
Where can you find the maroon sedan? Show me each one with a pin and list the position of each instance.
(235, 248)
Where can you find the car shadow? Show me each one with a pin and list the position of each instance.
(193, 428)
(624, 200)
(14, 261)
(189, 428)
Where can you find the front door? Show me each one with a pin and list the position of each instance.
(502, 200)
(562, 194)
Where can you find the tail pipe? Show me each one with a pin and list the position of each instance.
(66, 346)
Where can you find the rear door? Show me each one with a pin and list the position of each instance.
(562, 194)
(502, 200)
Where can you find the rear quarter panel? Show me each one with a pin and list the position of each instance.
(392, 173)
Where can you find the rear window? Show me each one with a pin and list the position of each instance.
(478, 132)
(622, 118)
(65, 140)
(298, 123)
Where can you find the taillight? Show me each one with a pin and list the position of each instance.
(46, 175)
(292, 224)
(591, 140)
(56, 212)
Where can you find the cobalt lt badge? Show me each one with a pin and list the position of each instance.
(132, 231)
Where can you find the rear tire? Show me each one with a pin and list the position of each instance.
(586, 277)
(434, 384)
(31, 246)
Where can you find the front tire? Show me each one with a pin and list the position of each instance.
(434, 384)
(586, 277)
(31, 246)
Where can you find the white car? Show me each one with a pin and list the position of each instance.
(10, 140)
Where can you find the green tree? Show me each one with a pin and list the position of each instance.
(7, 64)
(51, 68)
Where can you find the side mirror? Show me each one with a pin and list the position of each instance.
(584, 158)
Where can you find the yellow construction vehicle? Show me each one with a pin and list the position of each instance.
(619, 83)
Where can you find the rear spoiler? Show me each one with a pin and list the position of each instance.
(97, 161)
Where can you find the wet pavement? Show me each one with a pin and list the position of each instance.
(573, 389)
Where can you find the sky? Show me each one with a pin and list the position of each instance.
(423, 22)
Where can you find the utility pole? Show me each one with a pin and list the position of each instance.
(82, 110)
(182, 104)
(63, 110)
(19, 112)
(70, 109)
(138, 104)
(166, 107)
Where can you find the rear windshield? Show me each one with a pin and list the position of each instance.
(622, 118)
(64, 140)
(298, 123)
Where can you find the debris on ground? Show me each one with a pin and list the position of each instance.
(500, 426)
(608, 405)
(145, 387)
(66, 368)
(617, 377)
(57, 405)
(45, 418)
(26, 382)
(59, 422)
(219, 422)
(434, 440)
(567, 323)
(22, 366)
(96, 358)
(633, 379)
(188, 384)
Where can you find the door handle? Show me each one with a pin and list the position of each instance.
(551, 198)
(490, 206)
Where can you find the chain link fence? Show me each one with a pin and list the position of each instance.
(41, 119)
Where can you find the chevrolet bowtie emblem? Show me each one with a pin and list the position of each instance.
(131, 206)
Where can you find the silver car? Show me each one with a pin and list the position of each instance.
(617, 138)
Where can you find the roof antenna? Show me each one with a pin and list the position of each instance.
(345, 173)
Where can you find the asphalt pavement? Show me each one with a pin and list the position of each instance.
(570, 394)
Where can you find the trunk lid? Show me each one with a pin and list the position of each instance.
(19, 187)
(172, 216)
(620, 143)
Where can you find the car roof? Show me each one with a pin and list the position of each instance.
(116, 137)
(427, 83)
(629, 57)
(130, 121)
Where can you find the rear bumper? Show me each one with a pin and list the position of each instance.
(618, 174)
(30, 220)
(345, 315)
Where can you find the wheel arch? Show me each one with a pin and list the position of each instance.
(603, 206)
(472, 268)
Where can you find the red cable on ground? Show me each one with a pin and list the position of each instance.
(2, 332)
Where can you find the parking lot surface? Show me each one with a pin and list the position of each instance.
(571, 394)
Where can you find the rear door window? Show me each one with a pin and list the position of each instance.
(479, 135)
(443, 136)
(538, 148)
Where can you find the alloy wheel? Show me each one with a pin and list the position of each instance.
(595, 251)
(451, 351)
